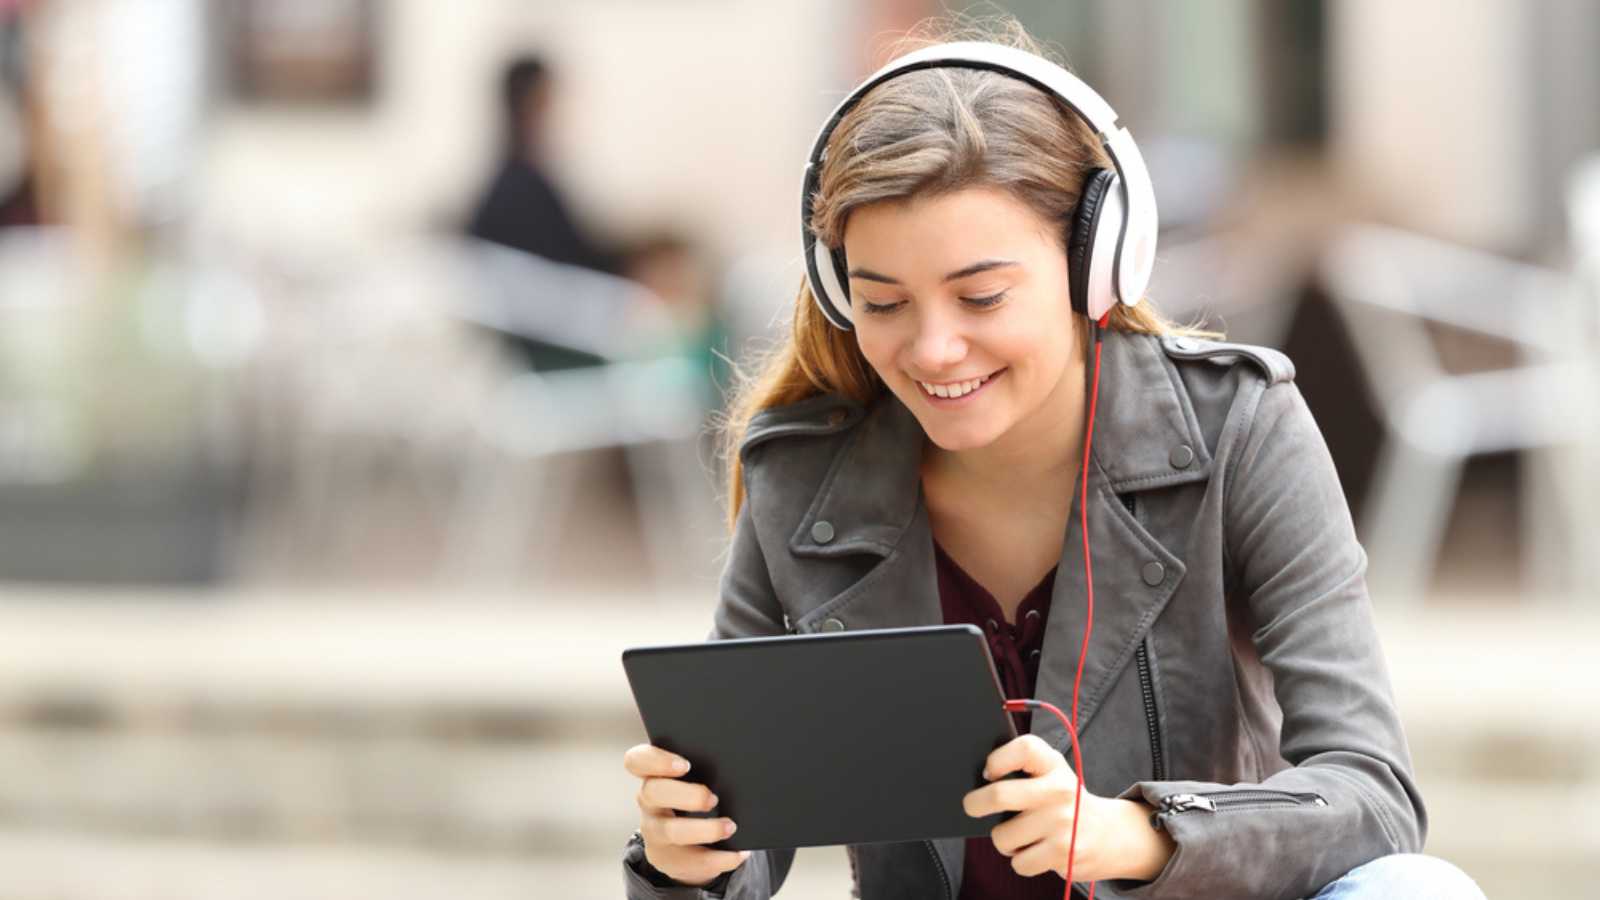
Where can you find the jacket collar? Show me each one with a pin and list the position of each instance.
(1142, 423)
(1144, 418)
(868, 498)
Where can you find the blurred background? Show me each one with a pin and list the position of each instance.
(360, 359)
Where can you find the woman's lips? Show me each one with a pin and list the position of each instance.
(951, 402)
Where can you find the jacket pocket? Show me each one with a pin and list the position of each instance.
(1217, 802)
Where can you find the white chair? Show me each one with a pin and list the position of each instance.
(391, 384)
(1579, 472)
(645, 398)
(1390, 287)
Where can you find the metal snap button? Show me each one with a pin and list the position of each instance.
(832, 625)
(822, 532)
(1184, 343)
(1181, 456)
(1033, 656)
(994, 626)
(1032, 614)
(1154, 573)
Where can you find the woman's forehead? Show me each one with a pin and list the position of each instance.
(980, 221)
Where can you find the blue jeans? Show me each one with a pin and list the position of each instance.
(1415, 876)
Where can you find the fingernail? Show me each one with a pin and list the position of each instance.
(729, 828)
(682, 765)
(744, 855)
(713, 799)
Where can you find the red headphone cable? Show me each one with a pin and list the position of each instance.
(1088, 624)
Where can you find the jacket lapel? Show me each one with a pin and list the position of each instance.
(1125, 561)
(1144, 417)
(1143, 420)
(870, 502)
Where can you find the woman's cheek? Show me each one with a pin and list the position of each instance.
(879, 356)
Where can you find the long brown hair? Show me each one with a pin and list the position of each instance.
(927, 132)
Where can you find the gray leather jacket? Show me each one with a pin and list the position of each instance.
(1234, 681)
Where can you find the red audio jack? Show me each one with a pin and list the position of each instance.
(1077, 764)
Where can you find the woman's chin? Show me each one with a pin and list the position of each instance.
(953, 431)
(954, 440)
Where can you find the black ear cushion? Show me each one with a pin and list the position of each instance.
(1080, 240)
(841, 268)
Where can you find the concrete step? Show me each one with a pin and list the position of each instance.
(504, 798)
(537, 663)
(537, 801)
(340, 737)
(41, 863)
(519, 796)
(1475, 689)
(75, 865)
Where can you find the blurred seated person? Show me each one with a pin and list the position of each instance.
(522, 208)
(18, 203)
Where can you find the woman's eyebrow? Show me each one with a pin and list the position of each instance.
(975, 268)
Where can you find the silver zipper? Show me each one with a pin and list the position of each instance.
(949, 892)
(1151, 716)
(1225, 800)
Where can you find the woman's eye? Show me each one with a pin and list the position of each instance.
(877, 308)
(984, 302)
(977, 302)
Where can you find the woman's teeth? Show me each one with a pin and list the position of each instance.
(958, 389)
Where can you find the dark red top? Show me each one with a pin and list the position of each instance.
(986, 875)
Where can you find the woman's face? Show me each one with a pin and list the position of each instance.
(958, 288)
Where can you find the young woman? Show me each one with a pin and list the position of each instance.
(975, 406)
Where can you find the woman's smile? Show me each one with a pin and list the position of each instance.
(952, 394)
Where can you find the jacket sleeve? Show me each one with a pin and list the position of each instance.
(1349, 795)
(748, 607)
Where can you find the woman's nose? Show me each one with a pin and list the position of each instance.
(937, 347)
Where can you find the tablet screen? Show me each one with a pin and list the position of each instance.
(821, 739)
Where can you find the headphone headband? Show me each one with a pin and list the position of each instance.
(1136, 238)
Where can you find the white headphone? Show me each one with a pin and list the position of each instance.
(1112, 243)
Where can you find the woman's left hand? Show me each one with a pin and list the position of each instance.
(1038, 837)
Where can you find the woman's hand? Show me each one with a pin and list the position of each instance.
(1038, 837)
(672, 842)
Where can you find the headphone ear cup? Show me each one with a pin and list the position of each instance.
(1085, 243)
(826, 274)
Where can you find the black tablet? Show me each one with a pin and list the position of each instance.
(819, 739)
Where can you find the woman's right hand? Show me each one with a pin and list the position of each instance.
(672, 842)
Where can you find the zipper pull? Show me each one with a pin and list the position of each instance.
(1176, 803)
(1181, 802)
